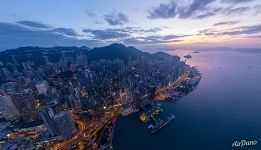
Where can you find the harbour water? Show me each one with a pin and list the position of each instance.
(225, 107)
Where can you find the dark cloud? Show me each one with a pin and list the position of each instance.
(33, 24)
(244, 30)
(107, 33)
(116, 18)
(172, 10)
(237, 1)
(14, 35)
(257, 9)
(196, 9)
(133, 35)
(226, 23)
(210, 32)
(66, 31)
(148, 41)
(238, 10)
(90, 14)
(138, 30)
(202, 16)
(164, 11)
(154, 39)
(162, 38)
(120, 32)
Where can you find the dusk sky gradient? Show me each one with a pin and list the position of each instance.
(144, 24)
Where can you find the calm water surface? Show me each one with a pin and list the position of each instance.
(225, 107)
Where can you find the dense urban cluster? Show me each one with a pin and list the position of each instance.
(43, 96)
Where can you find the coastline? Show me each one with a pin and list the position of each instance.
(181, 87)
(191, 74)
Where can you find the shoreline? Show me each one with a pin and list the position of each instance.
(181, 87)
(191, 73)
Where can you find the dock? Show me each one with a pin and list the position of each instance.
(161, 124)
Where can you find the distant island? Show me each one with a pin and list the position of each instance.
(196, 52)
(188, 56)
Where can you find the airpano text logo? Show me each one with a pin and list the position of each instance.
(244, 143)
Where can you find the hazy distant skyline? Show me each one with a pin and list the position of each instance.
(145, 24)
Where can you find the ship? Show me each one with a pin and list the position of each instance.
(161, 124)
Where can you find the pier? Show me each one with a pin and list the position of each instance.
(160, 124)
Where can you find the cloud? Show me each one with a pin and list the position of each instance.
(150, 40)
(133, 35)
(90, 14)
(116, 18)
(209, 32)
(144, 41)
(14, 35)
(33, 24)
(196, 9)
(254, 36)
(226, 23)
(193, 9)
(243, 30)
(66, 31)
(161, 37)
(257, 9)
(138, 30)
(201, 16)
(172, 10)
(119, 33)
(164, 11)
(107, 33)
(238, 10)
(237, 1)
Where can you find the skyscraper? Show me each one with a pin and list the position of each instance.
(47, 116)
(58, 124)
(42, 87)
(64, 124)
(26, 105)
(8, 109)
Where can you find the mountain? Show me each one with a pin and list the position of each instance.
(161, 55)
(111, 52)
(35, 54)
(115, 51)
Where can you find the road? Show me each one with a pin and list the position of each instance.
(159, 92)
(86, 130)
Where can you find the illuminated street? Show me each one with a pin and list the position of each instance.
(159, 92)
(86, 130)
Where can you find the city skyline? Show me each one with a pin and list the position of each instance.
(158, 24)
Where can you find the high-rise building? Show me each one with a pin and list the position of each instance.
(9, 88)
(6, 72)
(64, 124)
(8, 109)
(58, 124)
(47, 116)
(42, 87)
(26, 105)
(46, 59)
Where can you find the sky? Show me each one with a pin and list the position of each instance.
(147, 24)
